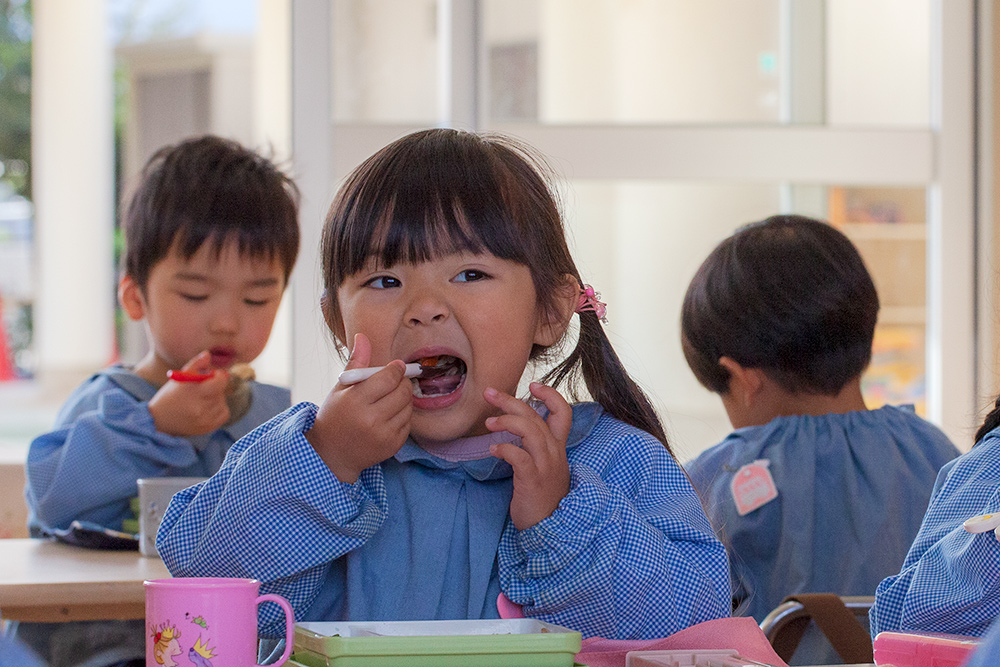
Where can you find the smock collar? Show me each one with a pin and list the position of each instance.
(585, 417)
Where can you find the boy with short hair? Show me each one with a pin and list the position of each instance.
(211, 238)
(812, 492)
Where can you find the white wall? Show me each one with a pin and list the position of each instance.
(272, 131)
(663, 61)
(385, 60)
(72, 165)
(878, 62)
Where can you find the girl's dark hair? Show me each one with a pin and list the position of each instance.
(210, 188)
(788, 295)
(439, 191)
(991, 422)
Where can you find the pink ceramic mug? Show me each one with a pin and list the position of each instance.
(207, 622)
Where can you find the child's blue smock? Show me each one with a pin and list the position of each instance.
(988, 653)
(852, 489)
(950, 581)
(15, 654)
(86, 469)
(105, 439)
(628, 553)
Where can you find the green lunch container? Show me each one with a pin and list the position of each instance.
(525, 642)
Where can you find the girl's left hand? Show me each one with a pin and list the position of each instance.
(541, 469)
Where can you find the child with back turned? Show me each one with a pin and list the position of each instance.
(950, 581)
(211, 236)
(812, 492)
(401, 499)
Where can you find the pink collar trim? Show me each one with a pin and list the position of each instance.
(467, 449)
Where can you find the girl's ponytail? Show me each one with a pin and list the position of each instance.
(991, 422)
(606, 379)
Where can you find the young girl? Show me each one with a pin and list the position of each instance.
(404, 499)
(950, 581)
(812, 492)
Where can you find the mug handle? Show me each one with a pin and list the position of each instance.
(289, 624)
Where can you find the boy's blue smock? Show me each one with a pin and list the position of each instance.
(105, 439)
(628, 553)
(86, 469)
(950, 581)
(852, 489)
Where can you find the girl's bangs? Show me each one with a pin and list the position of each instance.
(417, 229)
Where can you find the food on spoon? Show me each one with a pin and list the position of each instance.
(242, 372)
(440, 375)
(238, 393)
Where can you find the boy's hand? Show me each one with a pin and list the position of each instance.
(192, 408)
(541, 469)
(363, 424)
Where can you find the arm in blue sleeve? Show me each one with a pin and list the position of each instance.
(274, 512)
(15, 654)
(627, 555)
(87, 469)
(950, 580)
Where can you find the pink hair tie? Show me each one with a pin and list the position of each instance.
(590, 301)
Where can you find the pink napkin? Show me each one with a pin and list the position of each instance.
(507, 608)
(741, 634)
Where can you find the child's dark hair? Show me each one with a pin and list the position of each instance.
(210, 188)
(438, 191)
(991, 422)
(788, 295)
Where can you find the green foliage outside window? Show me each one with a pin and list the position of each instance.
(15, 94)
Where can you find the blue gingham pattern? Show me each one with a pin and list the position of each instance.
(950, 581)
(629, 552)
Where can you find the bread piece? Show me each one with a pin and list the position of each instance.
(238, 392)
(242, 372)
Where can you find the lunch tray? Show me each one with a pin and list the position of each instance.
(524, 642)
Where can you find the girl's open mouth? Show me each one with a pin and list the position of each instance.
(440, 376)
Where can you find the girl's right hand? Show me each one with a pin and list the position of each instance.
(363, 424)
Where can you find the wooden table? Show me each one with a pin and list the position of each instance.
(43, 580)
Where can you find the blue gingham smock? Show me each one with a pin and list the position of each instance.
(950, 580)
(628, 553)
(105, 439)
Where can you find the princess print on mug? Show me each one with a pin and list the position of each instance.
(210, 621)
(166, 644)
